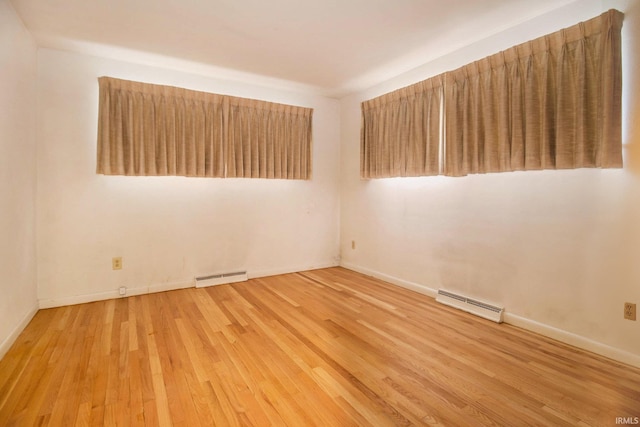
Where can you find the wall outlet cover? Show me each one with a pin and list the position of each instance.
(629, 311)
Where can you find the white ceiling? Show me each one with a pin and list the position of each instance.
(332, 46)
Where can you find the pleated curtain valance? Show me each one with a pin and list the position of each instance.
(154, 130)
(551, 103)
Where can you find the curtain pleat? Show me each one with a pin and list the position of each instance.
(400, 133)
(551, 103)
(153, 130)
(269, 140)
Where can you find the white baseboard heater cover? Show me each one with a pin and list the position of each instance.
(221, 279)
(479, 308)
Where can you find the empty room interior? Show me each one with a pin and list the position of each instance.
(407, 212)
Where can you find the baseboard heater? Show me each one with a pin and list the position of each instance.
(221, 279)
(479, 308)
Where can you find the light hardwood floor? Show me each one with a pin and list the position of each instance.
(327, 347)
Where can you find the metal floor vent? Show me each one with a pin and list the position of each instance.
(221, 279)
(479, 308)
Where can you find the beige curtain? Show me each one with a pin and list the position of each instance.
(146, 129)
(153, 130)
(400, 133)
(267, 140)
(551, 103)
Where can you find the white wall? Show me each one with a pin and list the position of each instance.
(167, 229)
(18, 300)
(557, 248)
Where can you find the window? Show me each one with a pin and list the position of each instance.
(401, 132)
(153, 130)
(551, 103)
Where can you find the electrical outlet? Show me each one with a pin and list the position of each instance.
(629, 311)
(116, 263)
(122, 291)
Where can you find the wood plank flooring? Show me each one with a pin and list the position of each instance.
(320, 348)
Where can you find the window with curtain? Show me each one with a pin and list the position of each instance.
(154, 130)
(267, 140)
(401, 132)
(551, 103)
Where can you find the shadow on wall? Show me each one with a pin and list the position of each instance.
(631, 88)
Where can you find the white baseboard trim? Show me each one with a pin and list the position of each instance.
(573, 339)
(391, 279)
(277, 271)
(101, 296)
(163, 287)
(521, 322)
(15, 333)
